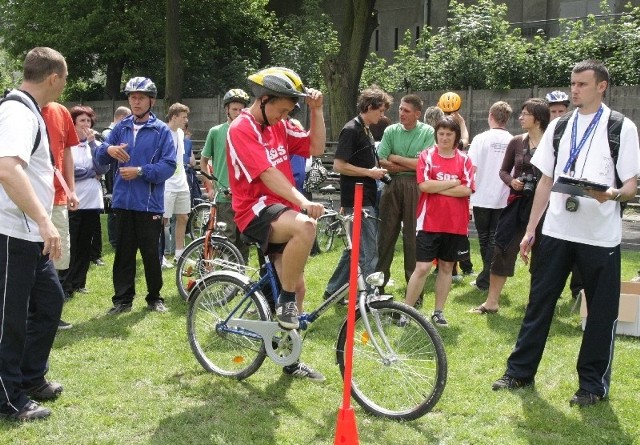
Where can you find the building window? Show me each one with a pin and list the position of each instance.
(396, 40)
(377, 40)
(417, 33)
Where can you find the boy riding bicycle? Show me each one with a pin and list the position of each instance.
(265, 201)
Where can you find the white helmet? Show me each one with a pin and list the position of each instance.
(557, 97)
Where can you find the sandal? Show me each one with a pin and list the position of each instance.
(483, 310)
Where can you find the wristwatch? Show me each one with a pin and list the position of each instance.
(618, 195)
(139, 171)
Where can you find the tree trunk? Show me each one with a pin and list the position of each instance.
(114, 79)
(342, 72)
(174, 65)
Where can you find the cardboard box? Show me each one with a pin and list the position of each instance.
(628, 312)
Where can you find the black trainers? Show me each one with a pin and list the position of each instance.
(582, 398)
(62, 325)
(508, 382)
(287, 315)
(119, 308)
(157, 306)
(301, 370)
(46, 391)
(438, 319)
(31, 411)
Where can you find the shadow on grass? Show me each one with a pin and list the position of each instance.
(231, 412)
(545, 424)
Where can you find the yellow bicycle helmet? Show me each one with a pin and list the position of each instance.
(277, 81)
(449, 102)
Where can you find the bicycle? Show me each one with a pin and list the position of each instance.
(208, 253)
(399, 360)
(328, 227)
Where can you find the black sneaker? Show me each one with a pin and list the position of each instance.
(46, 391)
(301, 370)
(119, 308)
(287, 315)
(31, 411)
(344, 301)
(82, 290)
(62, 325)
(157, 306)
(438, 319)
(98, 262)
(582, 398)
(508, 382)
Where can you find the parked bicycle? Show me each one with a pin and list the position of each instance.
(328, 226)
(399, 360)
(210, 252)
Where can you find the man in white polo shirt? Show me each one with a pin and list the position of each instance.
(30, 294)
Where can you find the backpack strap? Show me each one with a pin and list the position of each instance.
(23, 102)
(561, 126)
(614, 128)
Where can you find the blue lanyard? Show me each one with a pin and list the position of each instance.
(575, 149)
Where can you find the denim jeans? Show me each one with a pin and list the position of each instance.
(368, 252)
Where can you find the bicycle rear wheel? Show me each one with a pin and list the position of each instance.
(222, 348)
(325, 232)
(198, 218)
(194, 263)
(407, 380)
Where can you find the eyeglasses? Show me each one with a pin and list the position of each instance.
(525, 114)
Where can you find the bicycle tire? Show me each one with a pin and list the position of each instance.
(198, 218)
(220, 348)
(193, 266)
(325, 232)
(404, 385)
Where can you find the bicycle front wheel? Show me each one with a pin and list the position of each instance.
(325, 232)
(196, 261)
(408, 378)
(219, 346)
(198, 218)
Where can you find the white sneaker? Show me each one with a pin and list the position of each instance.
(166, 264)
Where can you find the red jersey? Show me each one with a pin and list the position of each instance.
(62, 134)
(250, 151)
(445, 214)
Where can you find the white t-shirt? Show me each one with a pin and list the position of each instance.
(487, 152)
(89, 190)
(593, 223)
(18, 129)
(178, 181)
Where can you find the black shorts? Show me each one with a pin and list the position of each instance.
(444, 246)
(259, 229)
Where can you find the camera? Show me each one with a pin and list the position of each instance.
(386, 179)
(530, 182)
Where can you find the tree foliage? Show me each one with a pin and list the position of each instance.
(107, 41)
(479, 49)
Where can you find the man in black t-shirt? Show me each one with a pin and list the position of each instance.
(355, 160)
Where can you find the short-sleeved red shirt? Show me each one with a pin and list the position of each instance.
(439, 213)
(251, 150)
(62, 134)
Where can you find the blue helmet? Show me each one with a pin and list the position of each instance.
(557, 97)
(141, 85)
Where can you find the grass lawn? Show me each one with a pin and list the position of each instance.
(133, 379)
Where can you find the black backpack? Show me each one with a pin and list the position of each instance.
(24, 102)
(614, 128)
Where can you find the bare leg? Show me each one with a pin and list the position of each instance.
(443, 283)
(181, 226)
(496, 283)
(298, 231)
(416, 282)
